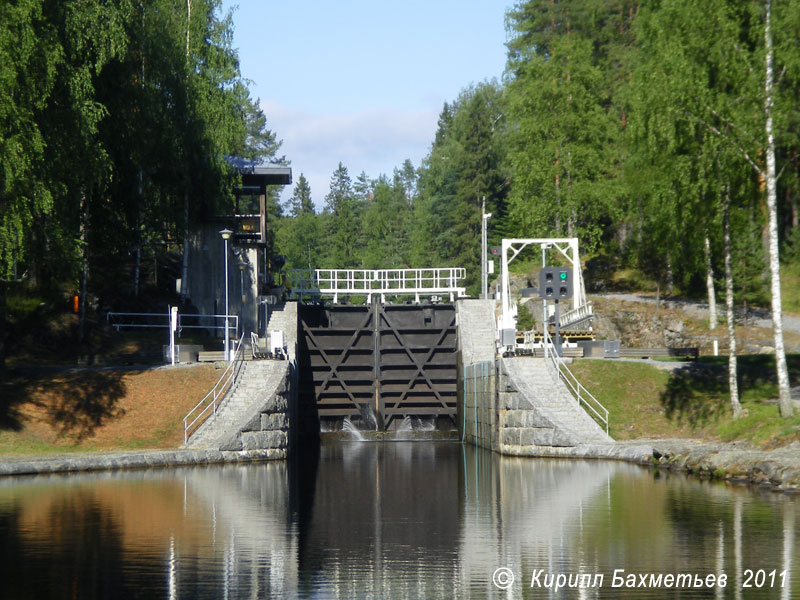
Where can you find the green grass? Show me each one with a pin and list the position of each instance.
(790, 288)
(20, 306)
(645, 401)
(11, 444)
(629, 391)
(762, 425)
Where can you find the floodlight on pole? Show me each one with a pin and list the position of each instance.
(226, 235)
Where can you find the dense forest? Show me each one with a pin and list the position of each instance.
(638, 126)
(115, 121)
(662, 133)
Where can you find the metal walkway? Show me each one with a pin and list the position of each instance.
(335, 283)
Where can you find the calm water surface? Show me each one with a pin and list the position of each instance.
(391, 520)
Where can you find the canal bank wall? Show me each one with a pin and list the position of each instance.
(738, 463)
(114, 461)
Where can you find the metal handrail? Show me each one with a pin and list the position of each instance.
(582, 313)
(112, 315)
(575, 387)
(224, 384)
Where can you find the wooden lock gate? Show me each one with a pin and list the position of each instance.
(378, 361)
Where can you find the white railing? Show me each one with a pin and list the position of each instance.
(135, 320)
(580, 393)
(212, 400)
(396, 282)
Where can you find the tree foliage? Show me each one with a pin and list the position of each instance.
(115, 113)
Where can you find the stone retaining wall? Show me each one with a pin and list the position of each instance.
(112, 461)
(269, 429)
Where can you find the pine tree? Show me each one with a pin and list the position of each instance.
(465, 164)
(343, 225)
(300, 201)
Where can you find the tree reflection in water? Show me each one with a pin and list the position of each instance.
(400, 519)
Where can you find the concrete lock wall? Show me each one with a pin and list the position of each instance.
(478, 404)
(477, 414)
(520, 407)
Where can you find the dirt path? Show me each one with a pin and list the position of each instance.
(755, 317)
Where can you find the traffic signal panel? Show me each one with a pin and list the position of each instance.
(555, 283)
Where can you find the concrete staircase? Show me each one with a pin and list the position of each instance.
(254, 414)
(535, 408)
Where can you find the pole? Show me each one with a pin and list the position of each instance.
(173, 318)
(544, 310)
(504, 284)
(484, 276)
(557, 349)
(227, 352)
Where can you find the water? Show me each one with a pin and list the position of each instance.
(347, 425)
(389, 520)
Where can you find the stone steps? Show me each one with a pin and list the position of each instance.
(256, 405)
(535, 389)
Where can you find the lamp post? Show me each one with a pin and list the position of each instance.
(226, 235)
(484, 258)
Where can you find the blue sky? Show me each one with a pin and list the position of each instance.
(362, 82)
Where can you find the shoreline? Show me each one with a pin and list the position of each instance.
(777, 470)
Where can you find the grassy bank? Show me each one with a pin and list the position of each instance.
(81, 410)
(692, 401)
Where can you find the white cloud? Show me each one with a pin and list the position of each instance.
(375, 141)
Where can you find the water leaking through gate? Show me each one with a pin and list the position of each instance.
(378, 361)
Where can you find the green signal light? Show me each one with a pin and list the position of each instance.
(563, 275)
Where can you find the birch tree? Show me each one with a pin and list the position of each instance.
(733, 384)
(784, 396)
(713, 64)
